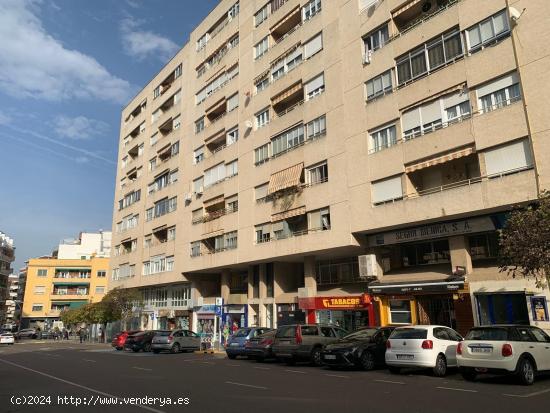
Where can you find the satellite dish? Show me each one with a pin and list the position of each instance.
(248, 124)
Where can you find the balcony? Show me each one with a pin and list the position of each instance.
(286, 26)
(288, 100)
(416, 12)
(140, 109)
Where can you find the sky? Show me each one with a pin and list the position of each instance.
(67, 68)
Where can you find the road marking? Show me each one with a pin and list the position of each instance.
(262, 368)
(336, 375)
(234, 365)
(89, 361)
(142, 368)
(457, 389)
(296, 371)
(246, 385)
(80, 386)
(207, 362)
(529, 394)
(389, 381)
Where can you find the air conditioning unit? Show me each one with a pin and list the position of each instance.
(188, 197)
(248, 124)
(368, 266)
(367, 57)
(200, 191)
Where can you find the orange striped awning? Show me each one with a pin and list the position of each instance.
(288, 214)
(439, 160)
(286, 178)
(405, 8)
(286, 93)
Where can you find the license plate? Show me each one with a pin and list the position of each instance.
(481, 350)
(330, 357)
(405, 356)
(234, 344)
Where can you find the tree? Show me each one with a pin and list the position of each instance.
(525, 242)
(119, 303)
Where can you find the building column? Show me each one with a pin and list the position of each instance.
(263, 284)
(460, 254)
(250, 279)
(225, 282)
(310, 281)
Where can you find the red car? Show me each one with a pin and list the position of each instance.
(120, 338)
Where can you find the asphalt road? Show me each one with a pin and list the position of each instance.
(212, 383)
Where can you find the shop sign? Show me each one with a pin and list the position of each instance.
(335, 303)
(416, 288)
(206, 309)
(234, 309)
(446, 229)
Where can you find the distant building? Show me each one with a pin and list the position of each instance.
(12, 309)
(87, 244)
(7, 256)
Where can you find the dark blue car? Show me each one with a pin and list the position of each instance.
(236, 343)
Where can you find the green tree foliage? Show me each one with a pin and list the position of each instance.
(525, 242)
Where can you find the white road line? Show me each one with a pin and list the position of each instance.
(457, 389)
(207, 362)
(246, 385)
(336, 375)
(89, 361)
(80, 386)
(389, 381)
(262, 368)
(234, 365)
(142, 368)
(529, 394)
(295, 371)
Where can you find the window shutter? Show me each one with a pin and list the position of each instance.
(387, 189)
(261, 191)
(313, 46)
(457, 98)
(233, 102)
(411, 119)
(431, 112)
(314, 83)
(505, 158)
(498, 84)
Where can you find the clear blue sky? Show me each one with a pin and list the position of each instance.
(67, 67)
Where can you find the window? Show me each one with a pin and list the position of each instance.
(314, 87)
(428, 57)
(316, 127)
(129, 199)
(231, 169)
(483, 246)
(149, 214)
(261, 154)
(102, 274)
(197, 216)
(286, 63)
(199, 125)
(195, 248)
(317, 174)
(313, 46)
(505, 308)
(198, 155)
(387, 190)
(232, 204)
(176, 123)
(376, 39)
(499, 93)
(216, 84)
(261, 48)
(318, 220)
(162, 207)
(230, 240)
(382, 138)
(232, 136)
(508, 158)
(155, 116)
(201, 43)
(488, 31)
(37, 307)
(156, 92)
(154, 138)
(261, 83)
(287, 140)
(260, 16)
(262, 118)
(175, 148)
(198, 185)
(170, 263)
(311, 9)
(153, 164)
(263, 233)
(42, 273)
(232, 103)
(39, 289)
(177, 71)
(400, 312)
(379, 85)
(422, 119)
(260, 192)
(214, 175)
(100, 290)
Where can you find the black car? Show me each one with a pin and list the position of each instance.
(140, 341)
(363, 348)
(259, 347)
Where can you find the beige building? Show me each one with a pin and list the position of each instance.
(343, 161)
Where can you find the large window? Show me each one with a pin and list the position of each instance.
(507, 308)
(382, 138)
(428, 57)
(286, 63)
(317, 127)
(287, 140)
(261, 47)
(216, 84)
(508, 158)
(379, 85)
(400, 312)
(311, 9)
(214, 175)
(262, 118)
(483, 245)
(499, 93)
(488, 31)
(129, 199)
(426, 253)
(388, 189)
(314, 87)
(376, 39)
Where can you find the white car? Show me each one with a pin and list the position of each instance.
(504, 349)
(6, 338)
(422, 346)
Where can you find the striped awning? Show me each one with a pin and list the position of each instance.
(439, 160)
(219, 134)
(405, 8)
(215, 106)
(285, 94)
(213, 201)
(288, 214)
(286, 178)
(284, 20)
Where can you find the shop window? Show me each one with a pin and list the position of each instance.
(502, 309)
(483, 246)
(400, 312)
(426, 253)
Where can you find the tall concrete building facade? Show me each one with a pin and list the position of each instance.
(338, 161)
(7, 256)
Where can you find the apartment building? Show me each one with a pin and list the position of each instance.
(7, 256)
(12, 306)
(335, 161)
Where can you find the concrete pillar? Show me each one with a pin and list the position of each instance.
(460, 253)
(250, 278)
(263, 284)
(225, 281)
(310, 281)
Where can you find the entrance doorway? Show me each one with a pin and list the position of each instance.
(437, 310)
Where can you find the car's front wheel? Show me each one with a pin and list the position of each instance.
(367, 361)
(525, 372)
(468, 374)
(147, 347)
(176, 348)
(156, 351)
(316, 357)
(440, 368)
(231, 356)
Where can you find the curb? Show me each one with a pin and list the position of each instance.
(209, 352)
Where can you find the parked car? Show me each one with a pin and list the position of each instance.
(504, 349)
(363, 348)
(425, 346)
(120, 338)
(235, 345)
(175, 341)
(305, 341)
(7, 338)
(140, 341)
(27, 333)
(261, 346)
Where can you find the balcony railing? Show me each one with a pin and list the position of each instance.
(214, 215)
(292, 234)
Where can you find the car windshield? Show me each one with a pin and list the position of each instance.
(410, 333)
(286, 331)
(361, 334)
(268, 334)
(163, 333)
(243, 332)
(489, 334)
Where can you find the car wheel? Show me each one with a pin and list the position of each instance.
(231, 356)
(316, 357)
(440, 368)
(367, 361)
(394, 370)
(175, 348)
(136, 350)
(526, 372)
(468, 374)
(156, 351)
(147, 348)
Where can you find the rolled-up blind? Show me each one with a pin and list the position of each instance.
(314, 83)
(387, 189)
(498, 84)
(431, 112)
(411, 119)
(232, 102)
(313, 45)
(505, 158)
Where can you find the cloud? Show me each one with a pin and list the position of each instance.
(133, 4)
(34, 64)
(141, 44)
(4, 119)
(82, 159)
(79, 127)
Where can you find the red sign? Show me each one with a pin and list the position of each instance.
(335, 303)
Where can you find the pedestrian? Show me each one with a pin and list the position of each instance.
(65, 334)
(225, 333)
(234, 327)
(82, 334)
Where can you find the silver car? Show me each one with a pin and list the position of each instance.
(175, 341)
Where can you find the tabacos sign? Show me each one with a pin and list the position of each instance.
(339, 302)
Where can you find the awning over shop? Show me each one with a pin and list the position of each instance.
(439, 160)
(286, 178)
(69, 284)
(288, 214)
(448, 285)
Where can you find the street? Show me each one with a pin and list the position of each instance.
(96, 374)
